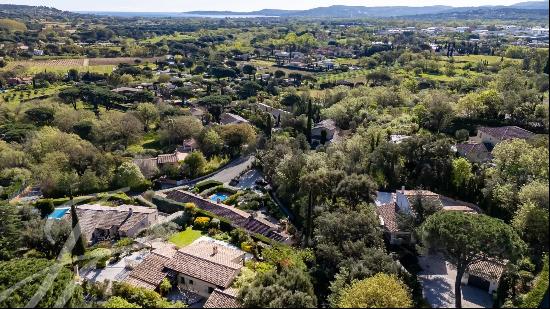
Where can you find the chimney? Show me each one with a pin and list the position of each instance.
(214, 250)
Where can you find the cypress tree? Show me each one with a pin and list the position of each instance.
(309, 121)
(79, 247)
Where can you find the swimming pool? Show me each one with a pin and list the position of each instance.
(58, 213)
(218, 197)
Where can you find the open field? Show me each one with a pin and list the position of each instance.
(15, 97)
(354, 75)
(97, 65)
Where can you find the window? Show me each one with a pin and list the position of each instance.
(210, 290)
(190, 281)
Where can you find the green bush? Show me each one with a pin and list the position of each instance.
(534, 297)
(102, 262)
(217, 189)
(203, 185)
(124, 242)
(122, 197)
(143, 297)
(119, 302)
(201, 222)
(232, 200)
(166, 205)
(45, 206)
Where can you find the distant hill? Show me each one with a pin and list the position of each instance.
(485, 13)
(532, 5)
(337, 11)
(27, 11)
(343, 11)
(522, 10)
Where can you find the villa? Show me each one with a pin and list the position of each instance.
(404, 201)
(205, 268)
(495, 135)
(100, 223)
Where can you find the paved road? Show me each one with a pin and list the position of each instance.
(224, 175)
(232, 170)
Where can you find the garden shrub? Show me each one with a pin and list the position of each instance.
(534, 297)
(201, 222)
(247, 246)
(232, 200)
(190, 207)
(45, 206)
(102, 262)
(119, 302)
(143, 297)
(124, 242)
(203, 185)
(215, 223)
(165, 286)
(166, 205)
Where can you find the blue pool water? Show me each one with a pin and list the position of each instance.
(58, 213)
(218, 197)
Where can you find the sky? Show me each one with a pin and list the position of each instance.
(233, 5)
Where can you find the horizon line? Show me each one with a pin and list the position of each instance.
(314, 7)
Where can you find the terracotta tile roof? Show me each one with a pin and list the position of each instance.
(222, 299)
(150, 271)
(507, 132)
(236, 216)
(456, 205)
(477, 152)
(92, 217)
(490, 270)
(387, 214)
(426, 196)
(224, 255)
(202, 269)
(228, 118)
(139, 283)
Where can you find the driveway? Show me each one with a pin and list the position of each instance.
(438, 277)
(248, 179)
(232, 170)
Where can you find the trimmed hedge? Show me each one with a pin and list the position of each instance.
(206, 184)
(534, 297)
(217, 189)
(167, 206)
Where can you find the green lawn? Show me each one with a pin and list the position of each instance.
(150, 140)
(184, 238)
